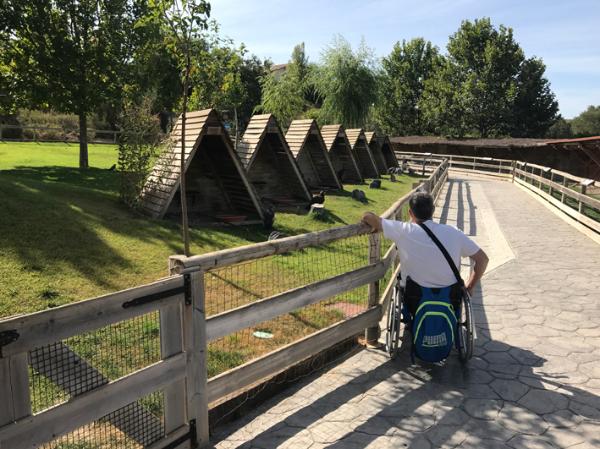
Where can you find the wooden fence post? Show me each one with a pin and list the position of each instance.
(372, 333)
(14, 388)
(583, 192)
(564, 183)
(194, 319)
(513, 168)
(551, 180)
(193, 340)
(171, 342)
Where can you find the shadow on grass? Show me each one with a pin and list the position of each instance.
(53, 216)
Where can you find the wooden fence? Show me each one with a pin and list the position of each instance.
(576, 196)
(83, 396)
(26, 133)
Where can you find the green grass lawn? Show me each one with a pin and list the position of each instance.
(64, 235)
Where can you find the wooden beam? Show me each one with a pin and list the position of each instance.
(37, 329)
(590, 153)
(236, 380)
(258, 250)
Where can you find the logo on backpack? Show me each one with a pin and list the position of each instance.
(434, 325)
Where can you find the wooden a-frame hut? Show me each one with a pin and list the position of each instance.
(340, 154)
(375, 146)
(270, 165)
(388, 152)
(217, 189)
(362, 153)
(307, 146)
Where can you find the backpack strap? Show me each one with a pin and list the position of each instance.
(444, 252)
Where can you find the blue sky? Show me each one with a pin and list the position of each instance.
(564, 33)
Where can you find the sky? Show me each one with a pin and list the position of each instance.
(564, 33)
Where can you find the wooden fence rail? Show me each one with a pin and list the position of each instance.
(574, 190)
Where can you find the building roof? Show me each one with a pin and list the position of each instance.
(330, 133)
(592, 140)
(434, 140)
(297, 133)
(354, 134)
(370, 136)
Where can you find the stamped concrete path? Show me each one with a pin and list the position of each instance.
(534, 381)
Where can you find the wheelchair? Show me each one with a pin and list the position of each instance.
(399, 323)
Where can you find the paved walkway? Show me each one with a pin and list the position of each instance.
(533, 383)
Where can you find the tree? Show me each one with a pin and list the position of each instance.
(587, 123)
(347, 83)
(282, 97)
(68, 55)
(493, 88)
(401, 84)
(182, 23)
(561, 129)
(285, 95)
(535, 108)
(227, 79)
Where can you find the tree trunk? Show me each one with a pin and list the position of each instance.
(83, 145)
(182, 188)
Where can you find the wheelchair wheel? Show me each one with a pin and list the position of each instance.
(392, 335)
(465, 329)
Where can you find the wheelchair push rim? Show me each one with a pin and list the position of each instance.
(392, 335)
(465, 329)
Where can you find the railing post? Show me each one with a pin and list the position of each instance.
(583, 192)
(551, 180)
(194, 341)
(562, 196)
(14, 388)
(171, 343)
(513, 167)
(372, 333)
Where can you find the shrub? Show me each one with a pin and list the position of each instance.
(139, 146)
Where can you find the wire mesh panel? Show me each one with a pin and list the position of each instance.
(135, 426)
(236, 285)
(67, 368)
(70, 367)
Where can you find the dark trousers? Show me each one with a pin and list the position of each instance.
(413, 294)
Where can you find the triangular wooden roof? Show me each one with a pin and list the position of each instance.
(354, 135)
(370, 135)
(330, 133)
(163, 182)
(260, 125)
(297, 135)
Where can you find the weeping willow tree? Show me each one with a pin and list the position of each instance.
(346, 81)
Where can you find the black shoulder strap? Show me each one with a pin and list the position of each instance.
(444, 252)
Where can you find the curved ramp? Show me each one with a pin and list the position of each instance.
(533, 383)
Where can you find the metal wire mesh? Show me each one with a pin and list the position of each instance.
(64, 369)
(135, 426)
(240, 284)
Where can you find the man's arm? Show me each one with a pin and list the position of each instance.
(481, 262)
(369, 218)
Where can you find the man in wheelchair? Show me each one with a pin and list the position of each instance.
(430, 254)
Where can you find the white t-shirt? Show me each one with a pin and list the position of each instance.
(420, 258)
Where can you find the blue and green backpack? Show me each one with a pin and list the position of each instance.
(434, 326)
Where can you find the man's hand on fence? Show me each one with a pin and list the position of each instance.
(372, 220)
